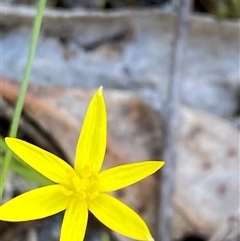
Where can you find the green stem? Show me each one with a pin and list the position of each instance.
(23, 89)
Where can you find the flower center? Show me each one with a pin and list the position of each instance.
(84, 186)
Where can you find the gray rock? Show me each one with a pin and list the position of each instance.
(207, 180)
(213, 96)
(127, 50)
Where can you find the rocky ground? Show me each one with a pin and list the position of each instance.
(128, 52)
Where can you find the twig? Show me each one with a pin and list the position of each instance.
(37, 107)
(172, 117)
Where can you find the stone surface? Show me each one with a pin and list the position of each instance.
(207, 180)
(127, 50)
(213, 96)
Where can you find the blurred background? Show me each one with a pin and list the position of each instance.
(126, 46)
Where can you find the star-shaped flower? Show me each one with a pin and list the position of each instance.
(83, 187)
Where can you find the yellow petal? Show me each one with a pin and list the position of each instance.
(119, 217)
(75, 221)
(91, 145)
(44, 162)
(125, 175)
(38, 203)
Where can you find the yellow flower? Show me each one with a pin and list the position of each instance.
(83, 187)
